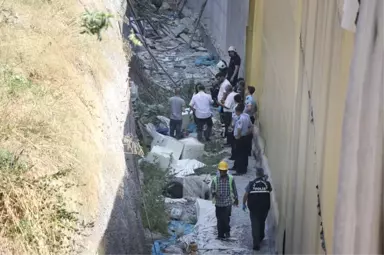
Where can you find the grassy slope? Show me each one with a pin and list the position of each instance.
(50, 78)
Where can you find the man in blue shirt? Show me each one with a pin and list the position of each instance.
(250, 109)
(241, 131)
(250, 104)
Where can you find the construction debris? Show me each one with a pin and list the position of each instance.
(192, 148)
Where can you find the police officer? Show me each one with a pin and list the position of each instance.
(241, 131)
(224, 195)
(257, 197)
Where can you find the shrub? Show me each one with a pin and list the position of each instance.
(153, 209)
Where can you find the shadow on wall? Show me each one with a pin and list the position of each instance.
(125, 233)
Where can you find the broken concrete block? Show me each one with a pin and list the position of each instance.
(161, 156)
(170, 143)
(179, 30)
(187, 39)
(193, 149)
(195, 186)
(202, 49)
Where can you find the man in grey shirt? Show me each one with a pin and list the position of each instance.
(176, 103)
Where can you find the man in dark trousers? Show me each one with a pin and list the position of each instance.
(241, 131)
(201, 107)
(258, 198)
(234, 66)
(224, 195)
(176, 104)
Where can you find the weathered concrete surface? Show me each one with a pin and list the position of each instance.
(226, 22)
(118, 228)
(125, 232)
(359, 215)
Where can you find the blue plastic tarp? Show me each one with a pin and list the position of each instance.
(174, 228)
(191, 128)
(205, 61)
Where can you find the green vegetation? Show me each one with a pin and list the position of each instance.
(50, 81)
(94, 22)
(33, 210)
(153, 211)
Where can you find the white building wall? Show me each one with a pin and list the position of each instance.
(226, 22)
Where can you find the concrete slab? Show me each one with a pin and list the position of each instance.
(193, 149)
(170, 143)
(161, 155)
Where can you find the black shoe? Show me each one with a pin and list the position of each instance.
(220, 237)
(256, 248)
(227, 235)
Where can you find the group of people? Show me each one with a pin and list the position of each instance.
(256, 198)
(237, 108)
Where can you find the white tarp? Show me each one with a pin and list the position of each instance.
(205, 233)
(186, 167)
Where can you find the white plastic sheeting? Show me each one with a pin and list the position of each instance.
(205, 233)
(185, 167)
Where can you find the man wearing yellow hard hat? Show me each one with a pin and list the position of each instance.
(224, 195)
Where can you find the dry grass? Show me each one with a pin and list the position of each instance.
(50, 79)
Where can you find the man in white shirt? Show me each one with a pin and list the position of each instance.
(201, 106)
(220, 77)
(229, 108)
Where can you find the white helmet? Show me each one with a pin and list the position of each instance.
(232, 48)
(221, 65)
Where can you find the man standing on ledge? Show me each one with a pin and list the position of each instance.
(224, 195)
(234, 66)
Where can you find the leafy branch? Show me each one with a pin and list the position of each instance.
(94, 22)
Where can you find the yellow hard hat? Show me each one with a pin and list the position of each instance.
(223, 166)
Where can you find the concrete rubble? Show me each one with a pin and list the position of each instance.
(188, 193)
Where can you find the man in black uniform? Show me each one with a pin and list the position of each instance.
(233, 67)
(257, 197)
